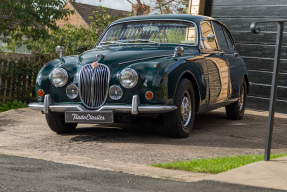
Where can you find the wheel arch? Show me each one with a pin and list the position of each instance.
(188, 75)
(245, 77)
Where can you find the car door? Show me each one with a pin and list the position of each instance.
(218, 69)
(236, 64)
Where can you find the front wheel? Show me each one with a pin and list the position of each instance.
(179, 123)
(236, 110)
(57, 123)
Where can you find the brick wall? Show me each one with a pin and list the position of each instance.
(74, 19)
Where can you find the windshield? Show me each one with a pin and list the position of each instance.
(159, 31)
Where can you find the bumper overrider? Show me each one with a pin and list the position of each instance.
(134, 108)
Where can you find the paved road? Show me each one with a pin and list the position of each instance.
(24, 174)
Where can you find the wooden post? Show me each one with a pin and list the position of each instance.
(196, 7)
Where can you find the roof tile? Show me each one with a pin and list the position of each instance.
(87, 10)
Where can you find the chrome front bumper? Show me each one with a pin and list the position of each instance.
(134, 108)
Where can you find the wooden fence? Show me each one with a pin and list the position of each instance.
(17, 79)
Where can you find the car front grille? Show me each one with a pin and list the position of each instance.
(93, 85)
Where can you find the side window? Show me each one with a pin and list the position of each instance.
(206, 29)
(230, 45)
(220, 36)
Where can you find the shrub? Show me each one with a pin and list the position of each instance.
(12, 105)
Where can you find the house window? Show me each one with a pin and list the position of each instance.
(22, 50)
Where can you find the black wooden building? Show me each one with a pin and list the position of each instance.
(257, 50)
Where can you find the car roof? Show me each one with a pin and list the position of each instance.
(194, 18)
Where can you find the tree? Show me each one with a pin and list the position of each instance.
(138, 8)
(170, 6)
(74, 40)
(34, 18)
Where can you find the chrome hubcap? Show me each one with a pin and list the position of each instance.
(185, 109)
(241, 100)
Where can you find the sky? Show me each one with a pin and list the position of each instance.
(114, 4)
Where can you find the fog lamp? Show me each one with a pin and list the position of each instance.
(72, 91)
(115, 92)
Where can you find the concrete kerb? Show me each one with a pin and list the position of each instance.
(130, 168)
(271, 174)
(267, 174)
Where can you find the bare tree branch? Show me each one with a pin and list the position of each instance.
(130, 2)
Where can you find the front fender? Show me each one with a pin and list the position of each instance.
(193, 69)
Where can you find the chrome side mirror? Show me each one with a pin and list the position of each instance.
(178, 51)
(59, 50)
(210, 37)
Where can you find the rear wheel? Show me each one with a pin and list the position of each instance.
(57, 123)
(179, 123)
(236, 110)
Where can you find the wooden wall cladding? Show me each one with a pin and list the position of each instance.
(257, 50)
(243, 24)
(256, 11)
(262, 64)
(264, 91)
(244, 2)
(253, 103)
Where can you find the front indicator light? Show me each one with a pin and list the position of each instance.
(40, 93)
(72, 91)
(149, 95)
(115, 92)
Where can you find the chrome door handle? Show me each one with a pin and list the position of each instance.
(235, 54)
(221, 53)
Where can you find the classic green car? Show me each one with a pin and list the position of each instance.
(161, 66)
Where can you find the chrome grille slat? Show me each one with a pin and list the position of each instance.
(97, 99)
(93, 85)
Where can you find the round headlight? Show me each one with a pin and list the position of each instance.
(59, 77)
(115, 92)
(128, 78)
(72, 91)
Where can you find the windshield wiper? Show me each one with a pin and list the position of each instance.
(111, 42)
(141, 40)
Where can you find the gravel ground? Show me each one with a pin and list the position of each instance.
(213, 135)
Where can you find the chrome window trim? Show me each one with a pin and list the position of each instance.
(228, 31)
(196, 27)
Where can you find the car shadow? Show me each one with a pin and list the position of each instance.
(211, 129)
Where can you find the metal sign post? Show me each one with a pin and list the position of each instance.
(273, 93)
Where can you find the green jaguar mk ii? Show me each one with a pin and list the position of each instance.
(167, 66)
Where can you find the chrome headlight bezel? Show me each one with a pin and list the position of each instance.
(63, 81)
(134, 75)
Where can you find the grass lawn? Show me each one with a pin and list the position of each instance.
(216, 165)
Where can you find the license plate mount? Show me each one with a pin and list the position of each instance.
(90, 117)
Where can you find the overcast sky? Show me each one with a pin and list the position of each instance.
(114, 4)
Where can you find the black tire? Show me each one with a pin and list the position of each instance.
(175, 122)
(236, 110)
(57, 123)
